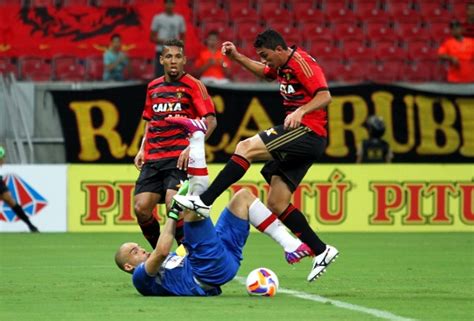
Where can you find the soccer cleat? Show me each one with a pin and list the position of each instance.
(301, 252)
(321, 262)
(190, 125)
(183, 190)
(193, 203)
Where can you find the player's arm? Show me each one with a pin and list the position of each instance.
(320, 100)
(211, 125)
(255, 67)
(163, 248)
(140, 157)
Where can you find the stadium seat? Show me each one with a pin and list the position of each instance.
(459, 10)
(110, 3)
(346, 30)
(75, 2)
(218, 25)
(274, 4)
(94, 67)
(305, 16)
(247, 30)
(319, 45)
(141, 69)
(440, 71)
(328, 52)
(240, 74)
(376, 30)
(355, 49)
(333, 68)
(7, 67)
(417, 71)
(238, 13)
(388, 49)
(42, 3)
(420, 50)
(398, 9)
(386, 72)
(365, 9)
(316, 31)
(439, 30)
(356, 70)
(276, 15)
(206, 13)
(34, 68)
(68, 68)
(335, 7)
(411, 30)
(431, 9)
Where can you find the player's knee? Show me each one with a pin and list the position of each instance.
(244, 196)
(141, 209)
(276, 206)
(244, 148)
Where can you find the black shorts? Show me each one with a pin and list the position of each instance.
(293, 151)
(154, 179)
(3, 187)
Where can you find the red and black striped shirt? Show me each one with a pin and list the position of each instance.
(301, 78)
(187, 97)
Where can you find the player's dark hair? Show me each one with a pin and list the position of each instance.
(376, 126)
(213, 32)
(270, 39)
(115, 35)
(454, 24)
(174, 43)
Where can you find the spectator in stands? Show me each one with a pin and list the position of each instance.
(459, 52)
(211, 65)
(115, 60)
(469, 24)
(374, 149)
(166, 26)
(7, 197)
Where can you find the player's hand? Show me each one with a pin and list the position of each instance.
(139, 159)
(293, 120)
(183, 159)
(228, 49)
(455, 61)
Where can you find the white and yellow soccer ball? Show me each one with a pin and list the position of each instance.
(262, 282)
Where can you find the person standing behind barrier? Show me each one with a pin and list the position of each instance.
(211, 64)
(115, 60)
(6, 196)
(459, 52)
(165, 26)
(374, 149)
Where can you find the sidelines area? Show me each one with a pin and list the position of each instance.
(340, 304)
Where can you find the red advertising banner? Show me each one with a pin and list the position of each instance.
(84, 30)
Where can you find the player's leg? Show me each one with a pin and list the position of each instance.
(144, 204)
(6, 196)
(246, 206)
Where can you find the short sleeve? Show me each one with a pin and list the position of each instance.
(443, 49)
(154, 23)
(202, 101)
(147, 111)
(311, 76)
(142, 281)
(270, 73)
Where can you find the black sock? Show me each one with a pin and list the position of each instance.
(22, 216)
(179, 232)
(231, 173)
(299, 226)
(151, 230)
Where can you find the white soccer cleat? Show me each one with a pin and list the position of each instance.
(321, 262)
(193, 203)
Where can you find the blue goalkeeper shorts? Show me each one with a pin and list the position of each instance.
(215, 252)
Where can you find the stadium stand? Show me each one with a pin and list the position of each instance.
(403, 32)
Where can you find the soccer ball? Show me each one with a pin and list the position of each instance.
(262, 282)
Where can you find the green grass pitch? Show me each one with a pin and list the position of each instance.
(72, 276)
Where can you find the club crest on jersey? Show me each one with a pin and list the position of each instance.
(166, 107)
(287, 89)
(179, 95)
(271, 131)
(287, 76)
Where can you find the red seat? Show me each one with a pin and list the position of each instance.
(42, 3)
(215, 25)
(206, 13)
(378, 30)
(75, 2)
(68, 68)
(94, 67)
(7, 67)
(276, 15)
(141, 68)
(388, 50)
(386, 72)
(109, 3)
(431, 9)
(316, 31)
(319, 45)
(240, 74)
(418, 72)
(420, 50)
(346, 30)
(328, 52)
(273, 4)
(304, 16)
(247, 30)
(398, 9)
(238, 13)
(356, 71)
(411, 30)
(439, 30)
(366, 9)
(34, 68)
(459, 10)
(355, 49)
(335, 7)
(333, 68)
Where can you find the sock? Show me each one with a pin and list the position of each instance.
(231, 173)
(267, 222)
(298, 225)
(22, 216)
(151, 230)
(197, 167)
(179, 232)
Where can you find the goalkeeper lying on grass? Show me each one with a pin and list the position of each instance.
(213, 252)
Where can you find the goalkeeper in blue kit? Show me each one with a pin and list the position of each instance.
(213, 253)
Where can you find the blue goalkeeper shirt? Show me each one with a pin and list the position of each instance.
(175, 278)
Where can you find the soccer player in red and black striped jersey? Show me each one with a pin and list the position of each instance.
(163, 155)
(289, 149)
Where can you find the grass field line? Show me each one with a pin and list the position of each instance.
(340, 304)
